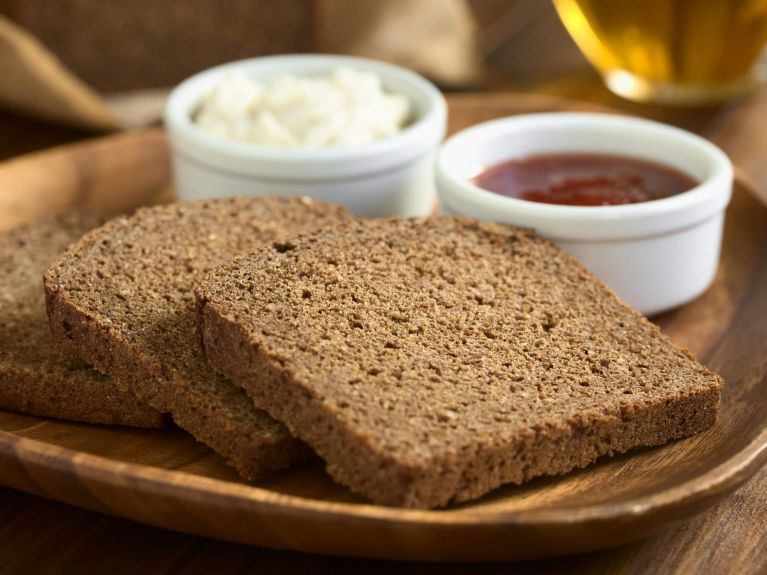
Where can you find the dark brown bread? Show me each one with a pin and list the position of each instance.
(122, 299)
(431, 361)
(33, 378)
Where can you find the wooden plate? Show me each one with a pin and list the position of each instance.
(165, 478)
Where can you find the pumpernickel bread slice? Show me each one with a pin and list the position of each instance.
(35, 379)
(430, 361)
(122, 299)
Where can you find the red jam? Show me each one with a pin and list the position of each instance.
(584, 180)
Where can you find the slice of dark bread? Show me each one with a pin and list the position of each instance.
(430, 361)
(33, 377)
(122, 299)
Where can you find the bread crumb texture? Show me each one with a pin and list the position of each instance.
(430, 361)
(33, 378)
(122, 299)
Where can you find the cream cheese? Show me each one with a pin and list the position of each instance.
(345, 108)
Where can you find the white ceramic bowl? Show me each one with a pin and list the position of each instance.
(656, 255)
(391, 177)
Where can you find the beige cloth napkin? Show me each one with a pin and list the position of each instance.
(434, 37)
(35, 82)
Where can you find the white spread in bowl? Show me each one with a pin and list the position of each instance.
(345, 108)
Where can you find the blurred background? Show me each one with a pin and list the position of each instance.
(84, 66)
(73, 68)
(144, 44)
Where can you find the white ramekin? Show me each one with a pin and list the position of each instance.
(392, 177)
(656, 255)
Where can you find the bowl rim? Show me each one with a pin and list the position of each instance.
(706, 199)
(427, 129)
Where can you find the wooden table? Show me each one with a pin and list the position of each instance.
(37, 535)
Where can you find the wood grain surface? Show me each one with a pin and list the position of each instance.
(107, 175)
(728, 539)
(164, 478)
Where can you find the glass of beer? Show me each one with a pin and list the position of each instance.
(692, 52)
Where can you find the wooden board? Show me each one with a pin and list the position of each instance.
(165, 478)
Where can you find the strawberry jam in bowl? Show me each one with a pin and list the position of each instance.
(641, 204)
(584, 180)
